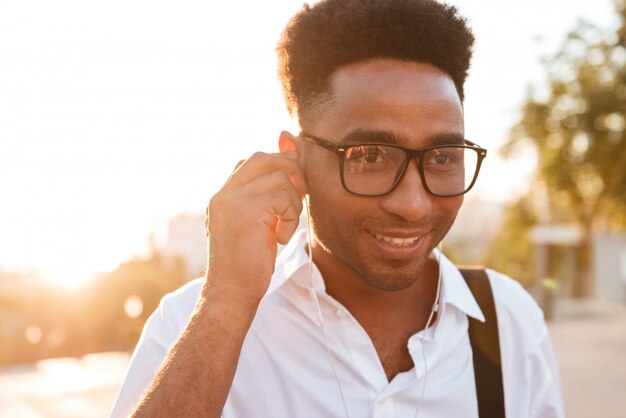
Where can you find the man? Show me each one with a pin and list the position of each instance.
(378, 325)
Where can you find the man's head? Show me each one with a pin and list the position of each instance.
(321, 38)
(376, 71)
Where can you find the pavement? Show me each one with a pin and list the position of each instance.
(589, 338)
(63, 387)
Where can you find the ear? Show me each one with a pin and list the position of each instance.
(287, 142)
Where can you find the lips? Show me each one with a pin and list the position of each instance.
(399, 241)
(398, 245)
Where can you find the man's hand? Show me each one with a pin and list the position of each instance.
(258, 208)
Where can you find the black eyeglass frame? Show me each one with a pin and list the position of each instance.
(340, 150)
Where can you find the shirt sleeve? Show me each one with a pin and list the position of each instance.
(160, 332)
(548, 400)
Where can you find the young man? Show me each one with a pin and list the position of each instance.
(377, 326)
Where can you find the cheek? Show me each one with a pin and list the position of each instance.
(450, 206)
(330, 199)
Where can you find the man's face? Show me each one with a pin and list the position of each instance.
(416, 105)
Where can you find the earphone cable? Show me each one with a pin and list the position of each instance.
(318, 310)
(433, 310)
(320, 318)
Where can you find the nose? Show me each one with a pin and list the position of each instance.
(409, 199)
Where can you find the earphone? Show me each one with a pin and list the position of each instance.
(320, 317)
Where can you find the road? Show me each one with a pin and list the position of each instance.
(589, 339)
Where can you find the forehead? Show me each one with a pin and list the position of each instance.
(413, 101)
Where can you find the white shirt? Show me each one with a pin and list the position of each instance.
(284, 370)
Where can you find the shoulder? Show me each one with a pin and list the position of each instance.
(177, 307)
(166, 323)
(511, 294)
(517, 310)
(529, 367)
(186, 294)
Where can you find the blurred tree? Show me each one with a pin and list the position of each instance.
(510, 251)
(41, 321)
(578, 131)
(112, 323)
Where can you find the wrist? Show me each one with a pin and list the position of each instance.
(230, 297)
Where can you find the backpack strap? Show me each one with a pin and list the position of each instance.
(485, 343)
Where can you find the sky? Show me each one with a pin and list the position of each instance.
(117, 115)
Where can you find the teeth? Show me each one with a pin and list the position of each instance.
(402, 242)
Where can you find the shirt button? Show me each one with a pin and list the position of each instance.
(341, 314)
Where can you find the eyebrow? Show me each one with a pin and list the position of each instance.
(363, 136)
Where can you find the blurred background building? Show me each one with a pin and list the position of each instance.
(185, 237)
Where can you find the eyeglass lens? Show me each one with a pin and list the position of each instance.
(374, 169)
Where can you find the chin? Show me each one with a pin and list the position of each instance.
(393, 276)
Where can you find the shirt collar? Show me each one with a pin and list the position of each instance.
(455, 292)
(292, 264)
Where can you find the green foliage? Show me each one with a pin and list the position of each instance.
(578, 131)
(577, 126)
(511, 249)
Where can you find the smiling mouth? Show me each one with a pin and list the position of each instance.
(396, 241)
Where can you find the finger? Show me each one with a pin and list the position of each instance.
(262, 163)
(207, 210)
(284, 231)
(239, 164)
(278, 205)
(272, 182)
(299, 182)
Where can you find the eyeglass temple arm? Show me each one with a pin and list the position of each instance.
(322, 143)
(472, 144)
(483, 151)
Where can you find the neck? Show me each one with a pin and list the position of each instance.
(376, 307)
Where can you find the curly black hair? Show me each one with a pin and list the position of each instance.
(332, 33)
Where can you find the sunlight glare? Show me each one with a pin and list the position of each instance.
(33, 334)
(67, 275)
(133, 306)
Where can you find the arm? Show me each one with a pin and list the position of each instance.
(258, 208)
(197, 374)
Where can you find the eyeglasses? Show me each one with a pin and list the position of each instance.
(376, 169)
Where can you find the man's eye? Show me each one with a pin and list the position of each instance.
(442, 159)
(367, 155)
(372, 157)
(439, 157)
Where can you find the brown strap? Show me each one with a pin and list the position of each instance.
(485, 344)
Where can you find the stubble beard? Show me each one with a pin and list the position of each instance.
(341, 240)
